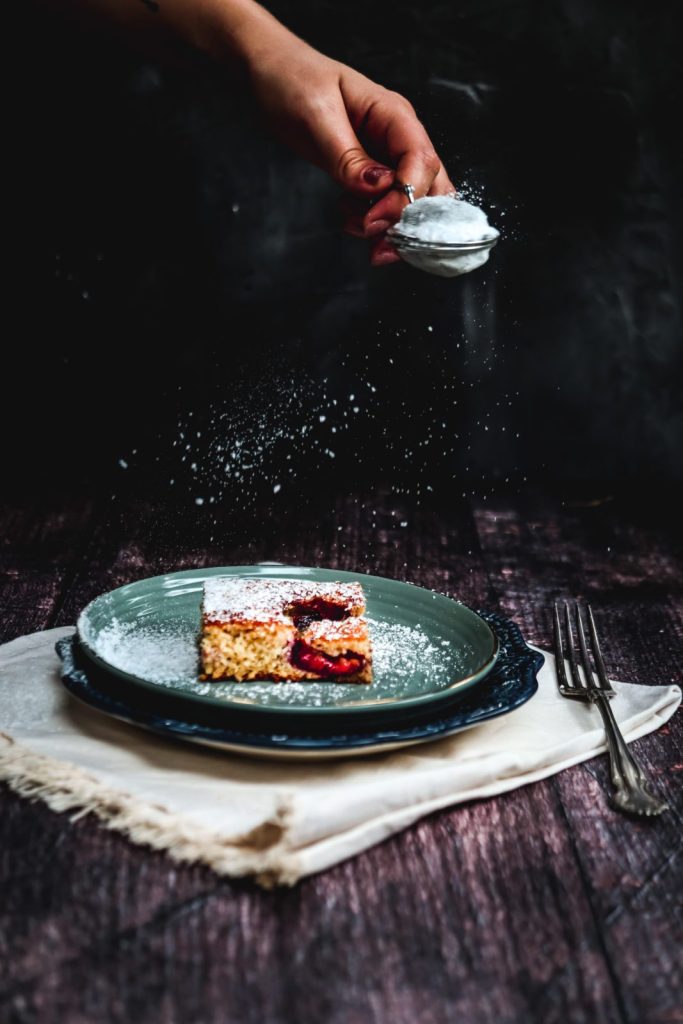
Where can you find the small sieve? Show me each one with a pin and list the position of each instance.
(447, 259)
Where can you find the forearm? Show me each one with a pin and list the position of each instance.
(363, 135)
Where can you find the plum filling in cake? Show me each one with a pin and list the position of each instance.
(281, 630)
(303, 613)
(308, 659)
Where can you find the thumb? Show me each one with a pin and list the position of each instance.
(345, 160)
(360, 175)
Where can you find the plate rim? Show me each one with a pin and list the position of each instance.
(290, 747)
(445, 695)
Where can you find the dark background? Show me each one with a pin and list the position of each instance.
(179, 273)
(146, 305)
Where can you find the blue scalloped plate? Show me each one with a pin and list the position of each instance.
(510, 683)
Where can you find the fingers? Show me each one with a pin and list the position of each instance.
(388, 126)
(410, 150)
(383, 253)
(423, 170)
(358, 174)
(353, 212)
(442, 185)
(341, 154)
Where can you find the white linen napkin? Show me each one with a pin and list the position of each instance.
(277, 821)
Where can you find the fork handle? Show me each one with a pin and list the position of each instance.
(631, 792)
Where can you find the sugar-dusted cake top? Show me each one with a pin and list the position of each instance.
(263, 600)
(351, 630)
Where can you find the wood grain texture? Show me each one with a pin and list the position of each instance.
(539, 906)
(39, 551)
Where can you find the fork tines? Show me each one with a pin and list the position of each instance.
(580, 687)
(631, 793)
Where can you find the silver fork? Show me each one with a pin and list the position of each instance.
(631, 792)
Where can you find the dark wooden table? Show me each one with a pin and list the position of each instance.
(541, 905)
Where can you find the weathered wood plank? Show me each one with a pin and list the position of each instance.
(500, 911)
(69, 886)
(359, 532)
(632, 870)
(472, 915)
(39, 550)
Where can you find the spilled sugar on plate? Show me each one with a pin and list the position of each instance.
(427, 647)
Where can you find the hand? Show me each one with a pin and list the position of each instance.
(363, 135)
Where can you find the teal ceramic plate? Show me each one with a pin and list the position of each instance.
(510, 684)
(427, 647)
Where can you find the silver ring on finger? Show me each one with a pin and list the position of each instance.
(407, 190)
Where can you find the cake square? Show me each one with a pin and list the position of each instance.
(284, 630)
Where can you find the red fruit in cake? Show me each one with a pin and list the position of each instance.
(284, 630)
(308, 659)
(305, 612)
